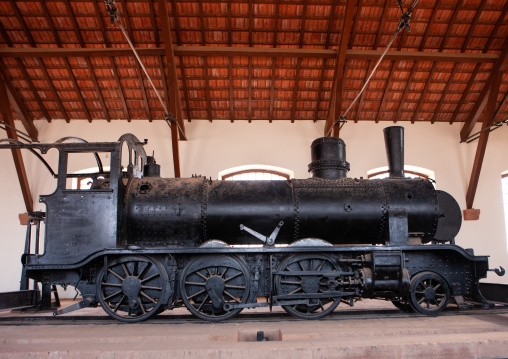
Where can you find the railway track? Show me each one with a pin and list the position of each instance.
(339, 315)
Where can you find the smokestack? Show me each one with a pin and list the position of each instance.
(394, 142)
(328, 156)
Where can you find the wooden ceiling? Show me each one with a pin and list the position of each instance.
(268, 60)
(263, 60)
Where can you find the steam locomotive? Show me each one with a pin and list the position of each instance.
(138, 244)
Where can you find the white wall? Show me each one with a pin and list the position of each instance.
(213, 147)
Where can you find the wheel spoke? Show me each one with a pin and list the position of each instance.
(201, 275)
(111, 285)
(125, 270)
(152, 288)
(148, 297)
(112, 295)
(301, 266)
(150, 278)
(148, 265)
(115, 274)
(224, 273)
(195, 283)
(118, 305)
(233, 276)
(141, 306)
(321, 266)
(290, 282)
(203, 302)
(295, 291)
(231, 296)
(196, 294)
(235, 286)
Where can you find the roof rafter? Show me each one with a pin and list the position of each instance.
(253, 52)
(18, 105)
(172, 87)
(174, 8)
(482, 142)
(172, 78)
(5, 109)
(340, 69)
(481, 102)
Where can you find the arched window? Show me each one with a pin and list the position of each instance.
(409, 171)
(256, 172)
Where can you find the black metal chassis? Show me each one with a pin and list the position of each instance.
(461, 269)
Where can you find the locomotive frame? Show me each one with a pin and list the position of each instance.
(89, 243)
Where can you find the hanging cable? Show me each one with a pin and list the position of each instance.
(114, 16)
(24, 136)
(403, 24)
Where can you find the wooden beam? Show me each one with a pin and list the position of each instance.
(18, 105)
(405, 55)
(340, 70)
(481, 102)
(172, 86)
(6, 111)
(172, 79)
(482, 142)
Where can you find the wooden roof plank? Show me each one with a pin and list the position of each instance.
(323, 70)
(497, 27)
(176, 17)
(298, 63)
(66, 60)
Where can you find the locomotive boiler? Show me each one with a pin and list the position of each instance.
(138, 244)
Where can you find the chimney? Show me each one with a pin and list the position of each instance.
(394, 142)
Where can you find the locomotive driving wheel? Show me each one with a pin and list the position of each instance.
(429, 293)
(208, 283)
(132, 289)
(292, 280)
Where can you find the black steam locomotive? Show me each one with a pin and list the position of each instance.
(138, 244)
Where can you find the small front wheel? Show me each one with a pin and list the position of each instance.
(429, 293)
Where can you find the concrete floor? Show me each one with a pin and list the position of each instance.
(461, 336)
